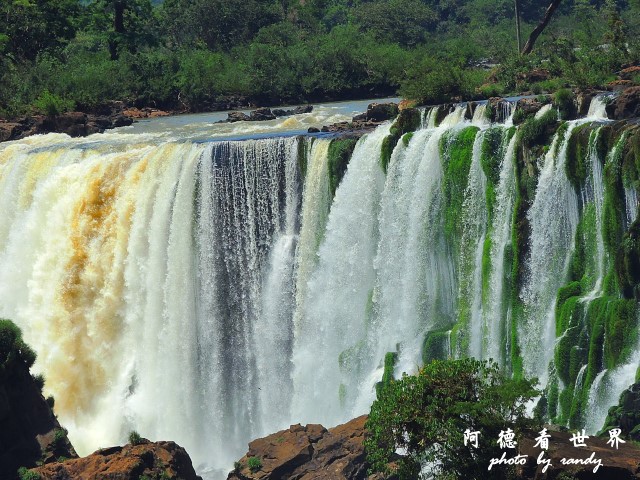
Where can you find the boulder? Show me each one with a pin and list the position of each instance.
(313, 130)
(307, 453)
(293, 111)
(261, 115)
(122, 121)
(379, 112)
(131, 462)
(626, 105)
(237, 117)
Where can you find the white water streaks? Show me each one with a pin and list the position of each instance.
(553, 217)
(333, 322)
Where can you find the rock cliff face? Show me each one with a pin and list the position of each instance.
(158, 460)
(307, 453)
(29, 432)
(315, 453)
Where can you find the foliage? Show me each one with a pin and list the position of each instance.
(425, 415)
(12, 348)
(59, 438)
(51, 104)
(254, 464)
(194, 54)
(26, 474)
(134, 438)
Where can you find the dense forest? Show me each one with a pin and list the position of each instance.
(58, 55)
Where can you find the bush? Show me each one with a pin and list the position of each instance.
(254, 464)
(12, 347)
(59, 438)
(26, 474)
(39, 381)
(52, 105)
(425, 415)
(563, 101)
(134, 438)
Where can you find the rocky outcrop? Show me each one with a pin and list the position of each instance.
(306, 453)
(263, 114)
(74, 124)
(315, 453)
(626, 105)
(29, 431)
(165, 460)
(620, 464)
(378, 112)
(626, 415)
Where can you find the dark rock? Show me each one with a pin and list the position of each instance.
(469, 111)
(443, 111)
(29, 431)
(583, 101)
(101, 121)
(529, 106)
(499, 109)
(294, 111)
(626, 105)
(261, 115)
(10, 131)
(626, 415)
(122, 121)
(361, 117)
(313, 130)
(153, 460)
(379, 112)
(237, 117)
(629, 73)
(309, 453)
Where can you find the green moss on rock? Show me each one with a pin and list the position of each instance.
(340, 151)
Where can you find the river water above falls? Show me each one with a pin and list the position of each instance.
(195, 287)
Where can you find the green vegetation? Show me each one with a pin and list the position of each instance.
(339, 154)
(426, 414)
(26, 474)
(13, 349)
(254, 464)
(134, 438)
(57, 55)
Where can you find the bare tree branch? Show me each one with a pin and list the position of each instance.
(541, 26)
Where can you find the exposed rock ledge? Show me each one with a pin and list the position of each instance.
(308, 453)
(315, 453)
(165, 460)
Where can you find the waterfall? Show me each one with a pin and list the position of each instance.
(495, 325)
(334, 320)
(553, 217)
(211, 291)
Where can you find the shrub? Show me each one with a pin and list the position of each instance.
(26, 474)
(52, 104)
(425, 415)
(563, 100)
(39, 381)
(12, 347)
(134, 438)
(237, 466)
(59, 438)
(254, 464)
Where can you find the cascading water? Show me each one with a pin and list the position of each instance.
(210, 292)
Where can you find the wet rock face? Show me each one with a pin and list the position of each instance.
(165, 460)
(626, 105)
(307, 453)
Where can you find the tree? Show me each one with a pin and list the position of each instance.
(425, 416)
(29, 27)
(541, 26)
